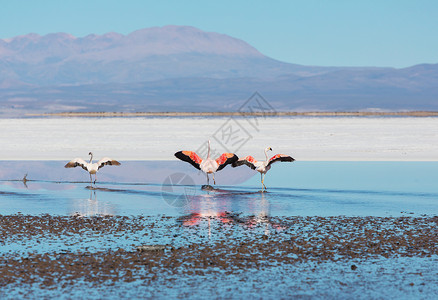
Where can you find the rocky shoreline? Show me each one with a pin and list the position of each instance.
(289, 241)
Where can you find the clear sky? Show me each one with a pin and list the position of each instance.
(395, 33)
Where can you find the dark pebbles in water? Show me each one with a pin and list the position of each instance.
(233, 243)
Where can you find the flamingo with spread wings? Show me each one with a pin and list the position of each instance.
(91, 167)
(208, 165)
(262, 166)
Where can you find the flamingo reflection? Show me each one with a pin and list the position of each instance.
(220, 210)
(91, 207)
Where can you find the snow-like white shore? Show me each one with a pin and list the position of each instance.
(306, 139)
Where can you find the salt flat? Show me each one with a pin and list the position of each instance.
(158, 138)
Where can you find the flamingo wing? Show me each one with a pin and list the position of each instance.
(225, 159)
(77, 162)
(107, 161)
(280, 157)
(190, 157)
(247, 160)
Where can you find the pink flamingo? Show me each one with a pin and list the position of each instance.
(262, 166)
(208, 165)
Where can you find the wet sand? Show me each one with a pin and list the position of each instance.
(296, 252)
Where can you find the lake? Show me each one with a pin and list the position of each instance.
(174, 188)
(354, 216)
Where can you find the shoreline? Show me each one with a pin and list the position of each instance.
(296, 252)
(243, 114)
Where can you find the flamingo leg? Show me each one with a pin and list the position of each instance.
(91, 179)
(95, 178)
(263, 179)
(208, 180)
(214, 179)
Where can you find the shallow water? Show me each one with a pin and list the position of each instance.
(164, 203)
(175, 189)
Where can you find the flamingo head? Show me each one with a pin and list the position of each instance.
(268, 149)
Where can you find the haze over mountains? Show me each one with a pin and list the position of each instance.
(180, 68)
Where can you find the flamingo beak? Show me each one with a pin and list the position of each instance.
(270, 148)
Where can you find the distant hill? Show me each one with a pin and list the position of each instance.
(180, 68)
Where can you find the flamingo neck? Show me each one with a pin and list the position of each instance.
(266, 154)
(208, 154)
(91, 158)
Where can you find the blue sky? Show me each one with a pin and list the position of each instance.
(395, 33)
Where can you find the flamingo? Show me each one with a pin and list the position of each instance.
(262, 166)
(208, 165)
(91, 167)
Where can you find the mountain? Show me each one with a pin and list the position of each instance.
(144, 55)
(181, 68)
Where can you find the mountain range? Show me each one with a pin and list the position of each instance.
(181, 68)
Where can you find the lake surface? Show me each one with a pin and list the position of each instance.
(174, 188)
(396, 201)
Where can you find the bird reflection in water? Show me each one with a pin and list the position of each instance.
(91, 207)
(220, 209)
(25, 181)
